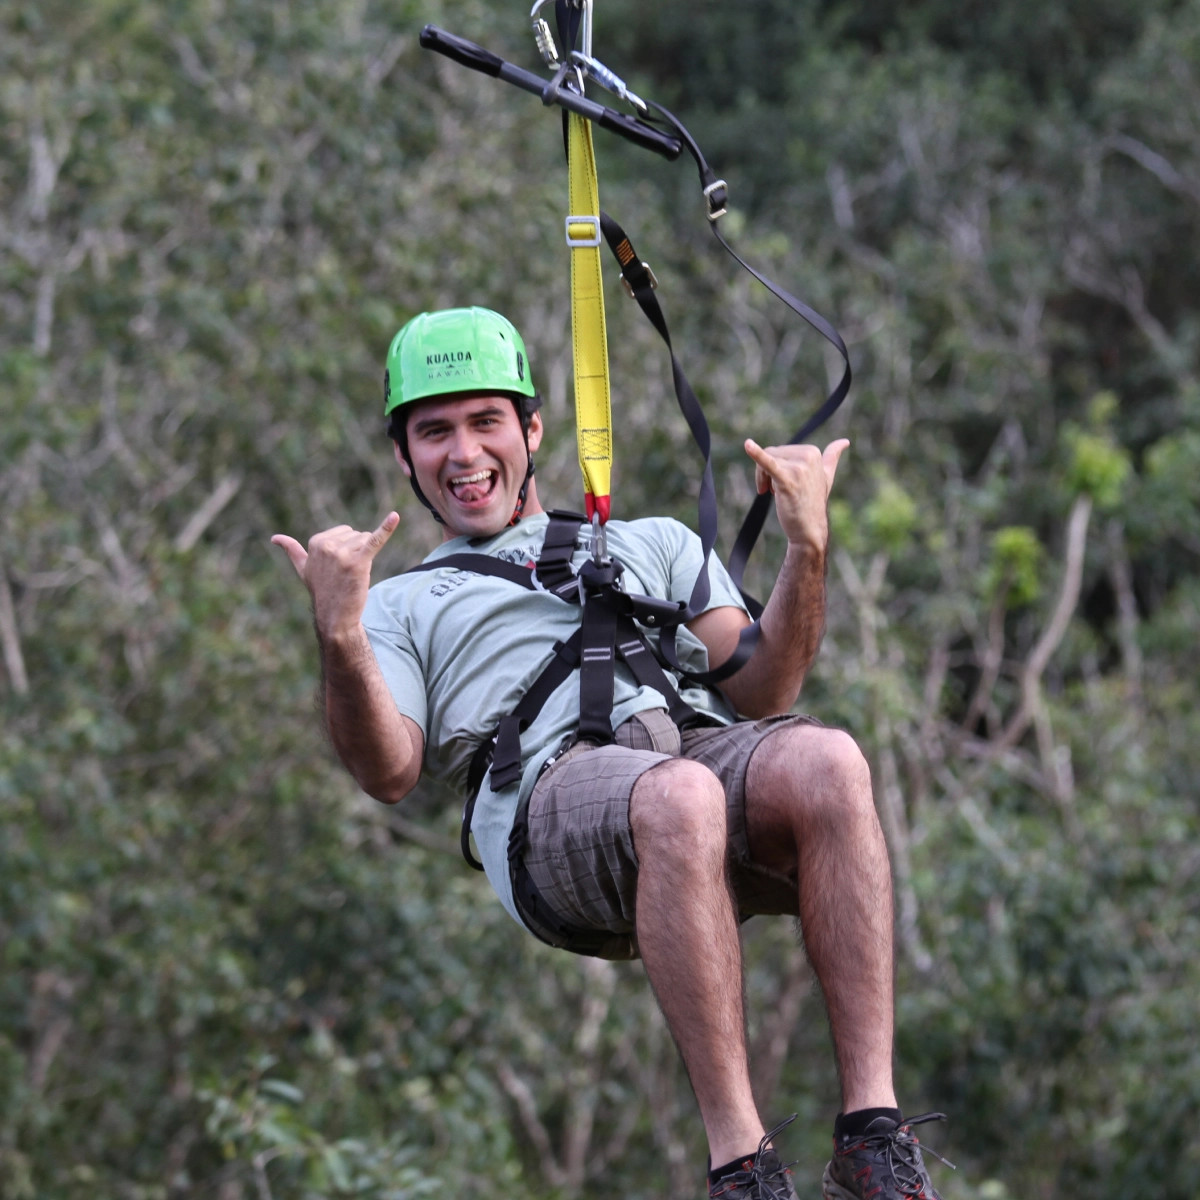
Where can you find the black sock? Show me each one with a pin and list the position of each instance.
(854, 1124)
(738, 1164)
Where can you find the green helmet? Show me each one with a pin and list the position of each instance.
(455, 350)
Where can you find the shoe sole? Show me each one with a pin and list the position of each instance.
(832, 1190)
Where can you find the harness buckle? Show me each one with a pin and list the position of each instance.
(718, 185)
(579, 240)
(602, 573)
(566, 744)
(651, 277)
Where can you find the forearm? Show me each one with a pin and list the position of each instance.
(790, 632)
(376, 743)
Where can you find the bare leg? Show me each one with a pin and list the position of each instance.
(688, 937)
(809, 803)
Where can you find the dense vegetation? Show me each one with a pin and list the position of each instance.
(227, 974)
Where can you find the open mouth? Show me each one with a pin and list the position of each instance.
(474, 488)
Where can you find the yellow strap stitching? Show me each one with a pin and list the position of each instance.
(593, 408)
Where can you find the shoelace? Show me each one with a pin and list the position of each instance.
(769, 1184)
(902, 1152)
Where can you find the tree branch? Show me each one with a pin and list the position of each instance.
(10, 639)
(1052, 635)
(522, 1095)
(1158, 166)
(208, 512)
(410, 831)
(1127, 613)
(774, 1039)
(993, 658)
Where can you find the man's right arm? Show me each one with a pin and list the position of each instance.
(379, 746)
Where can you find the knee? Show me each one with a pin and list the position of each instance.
(824, 766)
(842, 765)
(679, 804)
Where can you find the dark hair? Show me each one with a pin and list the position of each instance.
(397, 424)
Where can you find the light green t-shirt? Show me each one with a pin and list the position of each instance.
(458, 651)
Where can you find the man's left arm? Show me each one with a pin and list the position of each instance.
(793, 621)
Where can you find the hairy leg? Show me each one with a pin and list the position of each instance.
(809, 805)
(688, 936)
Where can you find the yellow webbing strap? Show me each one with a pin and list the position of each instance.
(593, 407)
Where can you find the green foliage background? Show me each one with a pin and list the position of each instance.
(224, 972)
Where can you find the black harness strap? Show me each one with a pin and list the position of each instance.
(597, 669)
(482, 564)
(506, 743)
(635, 652)
(607, 629)
(641, 287)
(553, 569)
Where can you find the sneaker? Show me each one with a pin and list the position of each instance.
(882, 1164)
(763, 1177)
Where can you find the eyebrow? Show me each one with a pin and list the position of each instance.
(424, 424)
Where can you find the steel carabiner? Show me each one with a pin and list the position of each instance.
(545, 39)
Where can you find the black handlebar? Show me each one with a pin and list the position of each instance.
(468, 54)
(462, 51)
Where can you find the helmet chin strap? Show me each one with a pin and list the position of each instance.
(519, 511)
(416, 487)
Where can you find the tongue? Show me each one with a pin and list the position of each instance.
(468, 493)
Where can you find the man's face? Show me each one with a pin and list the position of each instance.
(468, 454)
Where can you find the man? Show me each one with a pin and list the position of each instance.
(658, 842)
